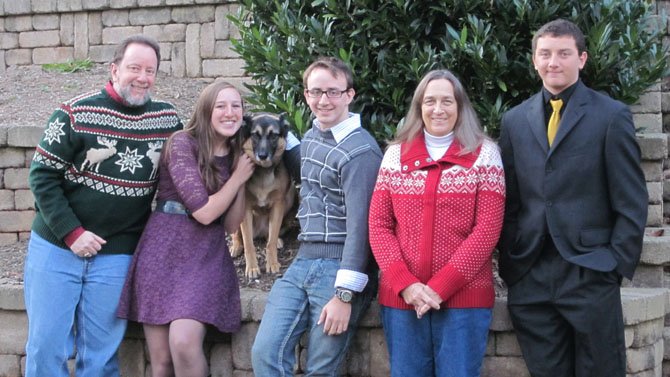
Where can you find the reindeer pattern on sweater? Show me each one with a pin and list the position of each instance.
(96, 167)
(85, 134)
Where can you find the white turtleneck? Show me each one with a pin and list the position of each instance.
(437, 145)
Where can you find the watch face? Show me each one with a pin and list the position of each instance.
(344, 295)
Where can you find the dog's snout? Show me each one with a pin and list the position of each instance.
(263, 154)
(263, 149)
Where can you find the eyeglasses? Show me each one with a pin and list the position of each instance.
(330, 93)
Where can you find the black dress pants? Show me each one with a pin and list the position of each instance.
(568, 319)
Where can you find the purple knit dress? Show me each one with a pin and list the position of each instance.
(181, 268)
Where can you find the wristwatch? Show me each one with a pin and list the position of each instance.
(345, 295)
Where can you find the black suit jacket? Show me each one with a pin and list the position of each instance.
(587, 192)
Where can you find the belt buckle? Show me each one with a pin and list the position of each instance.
(174, 207)
(171, 206)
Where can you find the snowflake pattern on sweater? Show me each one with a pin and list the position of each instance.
(95, 167)
(130, 141)
(437, 222)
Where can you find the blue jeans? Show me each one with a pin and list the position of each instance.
(444, 343)
(71, 302)
(293, 307)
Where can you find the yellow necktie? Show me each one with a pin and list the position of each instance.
(554, 119)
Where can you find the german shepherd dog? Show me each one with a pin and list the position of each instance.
(270, 193)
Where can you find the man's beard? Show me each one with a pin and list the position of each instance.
(131, 100)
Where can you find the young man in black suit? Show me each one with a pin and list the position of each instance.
(575, 214)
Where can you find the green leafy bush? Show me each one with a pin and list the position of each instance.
(391, 44)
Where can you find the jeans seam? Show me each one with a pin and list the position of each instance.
(82, 321)
(282, 348)
(66, 357)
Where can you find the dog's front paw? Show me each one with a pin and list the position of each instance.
(272, 268)
(252, 272)
(237, 245)
(236, 250)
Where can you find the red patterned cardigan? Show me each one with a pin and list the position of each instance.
(437, 222)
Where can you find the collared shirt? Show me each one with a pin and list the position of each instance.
(344, 128)
(291, 141)
(564, 96)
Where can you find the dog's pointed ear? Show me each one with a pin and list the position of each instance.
(246, 126)
(284, 123)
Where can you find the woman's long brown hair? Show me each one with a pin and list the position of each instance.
(467, 130)
(199, 128)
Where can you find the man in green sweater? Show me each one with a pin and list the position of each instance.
(93, 177)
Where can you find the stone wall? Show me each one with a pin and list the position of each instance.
(194, 35)
(195, 41)
(17, 210)
(229, 355)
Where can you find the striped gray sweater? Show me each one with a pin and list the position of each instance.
(337, 180)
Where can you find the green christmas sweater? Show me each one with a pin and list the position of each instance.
(96, 167)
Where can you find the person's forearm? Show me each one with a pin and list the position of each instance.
(235, 213)
(219, 202)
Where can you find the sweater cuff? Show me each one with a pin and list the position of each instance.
(71, 237)
(447, 282)
(399, 277)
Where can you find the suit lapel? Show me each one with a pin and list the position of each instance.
(535, 117)
(572, 114)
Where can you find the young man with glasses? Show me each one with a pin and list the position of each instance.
(331, 281)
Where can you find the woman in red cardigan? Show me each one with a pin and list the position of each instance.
(435, 218)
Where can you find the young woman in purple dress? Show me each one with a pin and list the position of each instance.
(182, 277)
